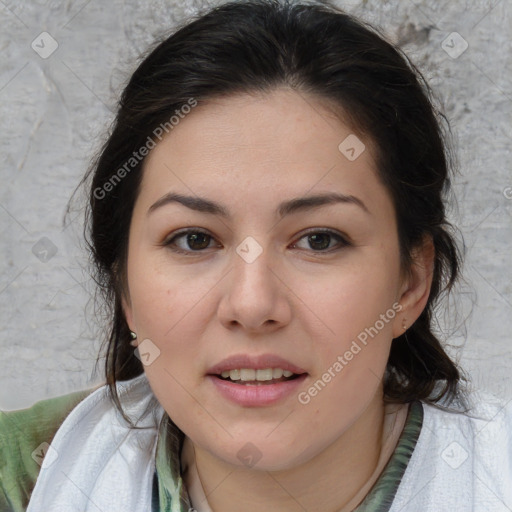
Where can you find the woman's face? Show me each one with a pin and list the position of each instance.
(263, 285)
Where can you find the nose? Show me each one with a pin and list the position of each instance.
(255, 297)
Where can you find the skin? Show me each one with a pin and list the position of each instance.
(249, 153)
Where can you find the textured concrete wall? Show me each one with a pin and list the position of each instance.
(56, 106)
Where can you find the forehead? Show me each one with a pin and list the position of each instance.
(271, 145)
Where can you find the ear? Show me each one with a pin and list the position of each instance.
(128, 312)
(128, 315)
(126, 304)
(415, 289)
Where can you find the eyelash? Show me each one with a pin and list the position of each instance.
(170, 242)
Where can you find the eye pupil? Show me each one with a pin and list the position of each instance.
(314, 239)
(194, 237)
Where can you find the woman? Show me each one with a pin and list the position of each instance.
(267, 221)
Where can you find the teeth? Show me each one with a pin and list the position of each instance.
(277, 373)
(264, 374)
(248, 374)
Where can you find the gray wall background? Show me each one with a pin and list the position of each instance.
(55, 109)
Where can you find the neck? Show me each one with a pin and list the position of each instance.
(345, 466)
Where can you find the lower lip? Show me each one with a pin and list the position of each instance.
(257, 395)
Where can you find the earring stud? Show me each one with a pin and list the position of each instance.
(133, 336)
(404, 324)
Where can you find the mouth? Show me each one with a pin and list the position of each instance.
(257, 377)
(263, 369)
(256, 381)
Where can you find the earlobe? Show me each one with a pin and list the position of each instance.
(416, 288)
(128, 315)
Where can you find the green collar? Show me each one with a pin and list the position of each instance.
(173, 496)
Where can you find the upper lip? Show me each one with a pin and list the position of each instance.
(260, 362)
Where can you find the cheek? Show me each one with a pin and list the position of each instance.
(352, 354)
(351, 298)
(355, 310)
(163, 297)
(171, 321)
(169, 315)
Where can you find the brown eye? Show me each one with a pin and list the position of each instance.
(189, 241)
(320, 241)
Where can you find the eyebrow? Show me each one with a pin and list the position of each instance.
(296, 205)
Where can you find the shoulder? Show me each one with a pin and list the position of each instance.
(25, 435)
(483, 430)
(463, 457)
(485, 415)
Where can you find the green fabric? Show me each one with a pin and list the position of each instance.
(21, 433)
(173, 496)
(382, 494)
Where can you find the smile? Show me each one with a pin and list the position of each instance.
(256, 393)
(251, 376)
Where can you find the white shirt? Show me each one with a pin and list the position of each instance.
(461, 463)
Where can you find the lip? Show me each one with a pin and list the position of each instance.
(261, 362)
(256, 395)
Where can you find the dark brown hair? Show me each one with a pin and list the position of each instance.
(314, 48)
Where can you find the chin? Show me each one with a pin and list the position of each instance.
(260, 455)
